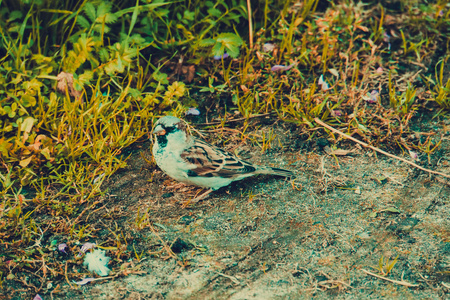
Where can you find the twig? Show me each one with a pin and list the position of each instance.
(236, 120)
(223, 129)
(164, 244)
(392, 179)
(250, 26)
(89, 208)
(333, 282)
(404, 283)
(112, 277)
(67, 277)
(232, 278)
(379, 150)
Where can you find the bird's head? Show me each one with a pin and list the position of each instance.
(170, 130)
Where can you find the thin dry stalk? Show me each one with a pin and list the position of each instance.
(236, 120)
(379, 150)
(250, 25)
(404, 283)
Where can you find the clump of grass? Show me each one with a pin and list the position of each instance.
(365, 59)
(385, 266)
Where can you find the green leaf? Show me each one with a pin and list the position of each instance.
(229, 39)
(101, 28)
(137, 39)
(28, 100)
(120, 65)
(16, 14)
(85, 77)
(134, 17)
(102, 11)
(188, 15)
(233, 51)
(218, 49)
(134, 93)
(160, 77)
(34, 85)
(214, 12)
(103, 54)
(110, 18)
(89, 9)
(224, 42)
(83, 22)
(207, 89)
(23, 26)
(206, 43)
(176, 90)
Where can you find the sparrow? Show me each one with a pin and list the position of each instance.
(193, 161)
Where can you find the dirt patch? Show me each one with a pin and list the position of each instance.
(269, 238)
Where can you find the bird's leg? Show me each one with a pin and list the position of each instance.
(198, 198)
(176, 186)
(202, 196)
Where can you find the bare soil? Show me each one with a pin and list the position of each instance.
(269, 238)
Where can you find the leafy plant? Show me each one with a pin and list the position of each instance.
(441, 91)
(223, 43)
(211, 88)
(404, 102)
(386, 266)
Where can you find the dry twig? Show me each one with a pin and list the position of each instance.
(65, 274)
(232, 278)
(379, 150)
(236, 120)
(250, 26)
(404, 283)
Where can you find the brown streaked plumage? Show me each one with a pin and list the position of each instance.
(193, 161)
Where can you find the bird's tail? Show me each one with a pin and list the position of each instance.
(275, 171)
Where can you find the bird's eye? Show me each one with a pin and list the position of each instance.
(169, 129)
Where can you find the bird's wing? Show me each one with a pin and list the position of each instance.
(212, 161)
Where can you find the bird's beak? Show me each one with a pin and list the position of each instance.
(159, 130)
